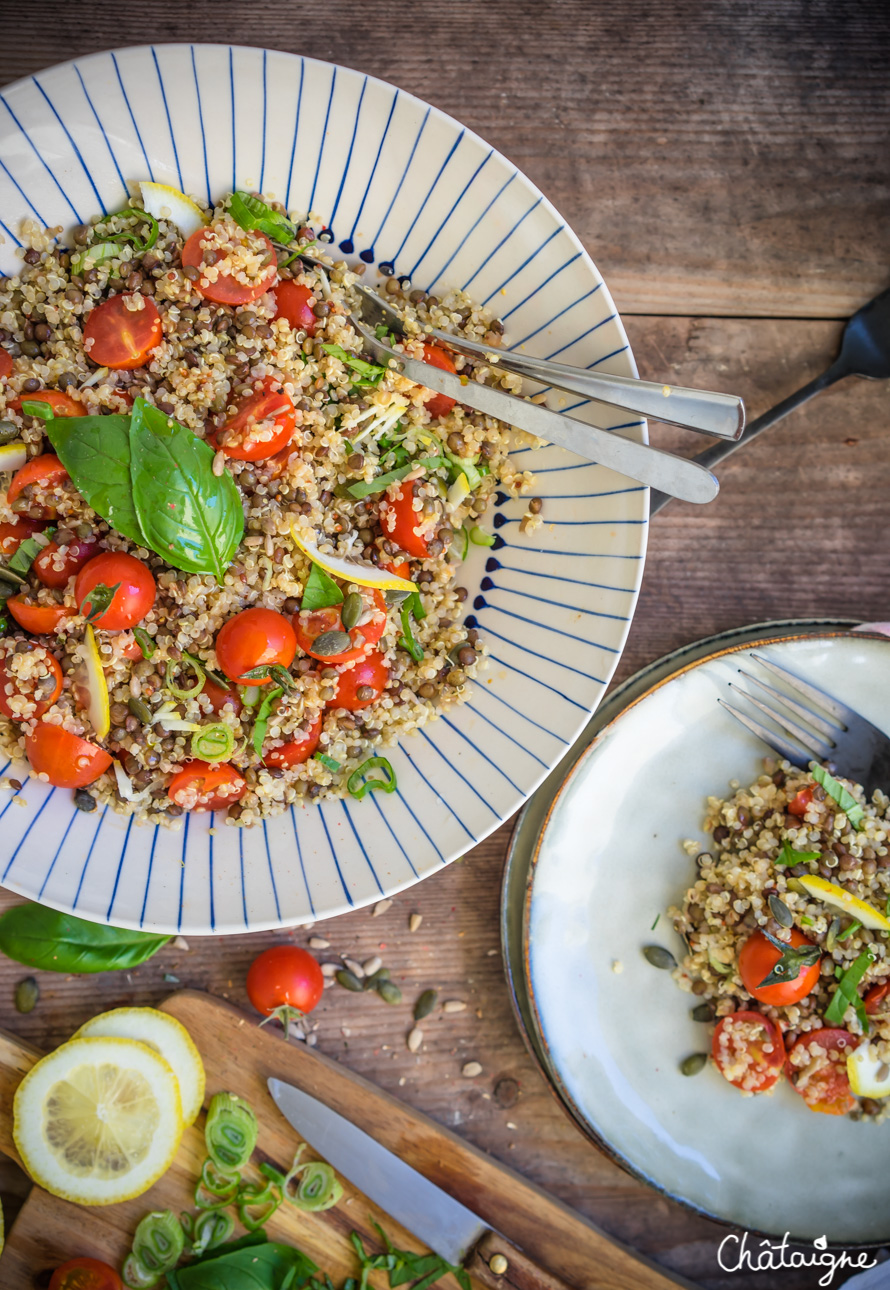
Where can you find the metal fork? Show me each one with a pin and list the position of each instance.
(836, 733)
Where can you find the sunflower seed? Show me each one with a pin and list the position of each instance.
(371, 966)
(659, 957)
(415, 1039)
(380, 908)
(454, 1005)
(425, 1004)
(329, 969)
(355, 968)
(692, 1065)
(181, 944)
(319, 943)
(471, 1070)
(414, 922)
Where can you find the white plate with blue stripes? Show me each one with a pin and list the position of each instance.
(399, 184)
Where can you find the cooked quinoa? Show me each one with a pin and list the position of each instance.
(210, 359)
(745, 879)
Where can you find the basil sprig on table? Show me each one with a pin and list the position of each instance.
(152, 480)
(250, 1263)
(44, 938)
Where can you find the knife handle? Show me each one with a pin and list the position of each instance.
(520, 1272)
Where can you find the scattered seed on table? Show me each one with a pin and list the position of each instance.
(348, 980)
(329, 969)
(454, 1005)
(180, 943)
(380, 908)
(659, 957)
(425, 1004)
(372, 965)
(414, 922)
(415, 1039)
(471, 1069)
(27, 993)
(389, 992)
(355, 968)
(372, 982)
(693, 1064)
(319, 943)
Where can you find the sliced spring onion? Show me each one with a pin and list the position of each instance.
(215, 742)
(136, 1276)
(158, 1242)
(848, 931)
(360, 789)
(177, 691)
(219, 1182)
(467, 467)
(28, 551)
(295, 255)
(231, 1132)
(320, 591)
(317, 1187)
(210, 1230)
(417, 608)
(462, 536)
(216, 677)
(835, 790)
(144, 641)
(479, 537)
(37, 408)
(98, 254)
(259, 1197)
(847, 992)
(140, 245)
(371, 373)
(407, 641)
(261, 725)
(250, 695)
(328, 762)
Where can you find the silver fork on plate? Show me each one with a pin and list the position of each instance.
(837, 733)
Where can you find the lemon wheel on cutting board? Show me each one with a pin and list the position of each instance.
(98, 1121)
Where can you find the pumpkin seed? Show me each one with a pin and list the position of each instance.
(329, 644)
(659, 957)
(425, 1004)
(703, 1012)
(780, 911)
(27, 992)
(389, 992)
(693, 1064)
(352, 610)
(9, 432)
(795, 885)
(396, 595)
(372, 982)
(141, 711)
(348, 980)
(831, 935)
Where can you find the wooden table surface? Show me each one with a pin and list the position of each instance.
(727, 167)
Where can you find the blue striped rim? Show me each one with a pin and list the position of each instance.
(271, 869)
(395, 837)
(58, 850)
(120, 81)
(169, 119)
(23, 839)
(293, 151)
(324, 825)
(293, 820)
(361, 844)
(348, 162)
(323, 140)
(42, 160)
(452, 150)
(120, 865)
(402, 177)
(361, 205)
(151, 861)
(83, 872)
(457, 201)
(471, 230)
(201, 124)
(102, 129)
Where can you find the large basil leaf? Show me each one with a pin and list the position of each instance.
(191, 517)
(251, 213)
(45, 938)
(256, 1267)
(96, 453)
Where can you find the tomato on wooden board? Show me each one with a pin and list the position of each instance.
(297, 751)
(758, 957)
(133, 598)
(439, 405)
(748, 1051)
(226, 290)
(77, 553)
(40, 476)
(361, 684)
(63, 405)
(207, 786)
(34, 688)
(800, 802)
(398, 519)
(240, 437)
(43, 619)
(13, 534)
(220, 698)
(67, 760)
(7, 367)
(254, 638)
(85, 1274)
(822, 1079)
(875, 997)
(118, 336)
(286, 982)
(292, 302)
(309, 624)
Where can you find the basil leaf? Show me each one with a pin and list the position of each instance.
(835, 789)
(372, 373)
(251, 213)
(191, 517)
(320, 591)
(261, 725)
(788, 856)
(96, 453)
(44, 938)
(28, 551)
(266, 1266)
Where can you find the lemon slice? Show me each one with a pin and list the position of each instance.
(165, 202)
(166, 1036)
(364, 575)
(831, 894)
(90, 688)
(13, 456)
(868, 1073)
(98, 1121)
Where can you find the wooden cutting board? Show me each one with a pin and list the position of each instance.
(239, 1058)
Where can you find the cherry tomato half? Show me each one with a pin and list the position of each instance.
(254, 638)
(63, 405)
(748, 1050)
(263, 425)
(47, 564)
(67, 760)
(45, 620)
(297, 751)
(800, 802)
(206, 786)
(41, 476)
(401, 570)
(41, 689)
(758, 957)
(438, 405)
(118, 336)
(309, 624)
(220, 698)
(13, 534)
(875, 996)
(292, 302)
(821, 1077)
(7, 367)
(131, 601)
(225, 289)
(284, 977)
(85, 1274)
(399, 521)
(361, 684)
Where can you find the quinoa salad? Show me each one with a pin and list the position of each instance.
(230, 545)
(787, 930)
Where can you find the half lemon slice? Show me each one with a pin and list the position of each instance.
(165, 202)
(363, 575)
(834, 896)
(98, 1121)
(166, 1036)
(90, 688)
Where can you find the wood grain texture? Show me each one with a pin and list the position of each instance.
(727, 157)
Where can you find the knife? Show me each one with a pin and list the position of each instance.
(675, 475)
(449, 1229)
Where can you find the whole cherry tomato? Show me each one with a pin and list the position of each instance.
(285, 982)
(400, 521)
(748, 1050)
(42, 686)
(758, 957)
(310, 624)
(41, 477)
(207, 786)
(821, 1077)
(254, 638)
(361, 684)
(54, 570)
(126, 605)
(292, 302)
(85, 1274)
(297, 751)
(119, 335)
(45, 620)
(263, 425)
(226, 289)
(67, 760)
(438, 405)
